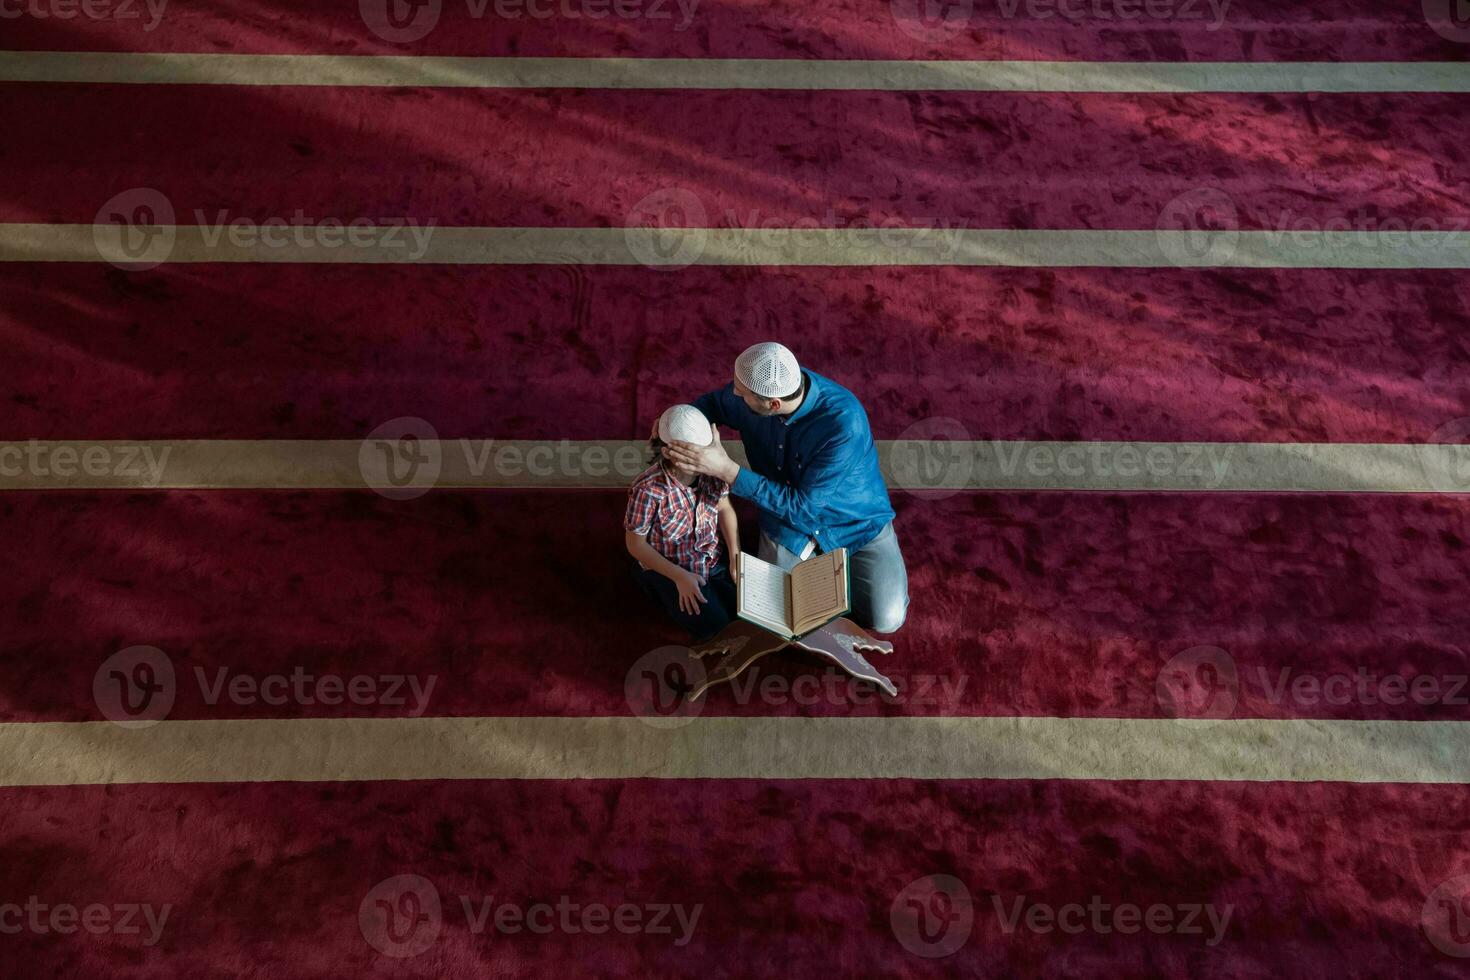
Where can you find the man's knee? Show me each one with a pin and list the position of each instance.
(889, 615)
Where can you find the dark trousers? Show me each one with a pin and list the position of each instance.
(714, 613)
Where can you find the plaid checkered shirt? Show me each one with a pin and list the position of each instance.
(680, 522)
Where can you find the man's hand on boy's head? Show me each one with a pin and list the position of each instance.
(711, 460)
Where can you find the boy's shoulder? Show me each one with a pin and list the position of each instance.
(650, 481)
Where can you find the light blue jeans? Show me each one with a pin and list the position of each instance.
(880, 582)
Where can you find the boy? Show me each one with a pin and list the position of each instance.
(672, 528)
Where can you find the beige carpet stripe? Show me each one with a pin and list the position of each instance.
(926, 467)
(673, 248)
(718, 73)
(313, 750)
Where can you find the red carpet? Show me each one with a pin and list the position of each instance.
(1034, 604)
(755, 159)
(1069, 604)
(794, 879)
(296, 352)
(1251, 30)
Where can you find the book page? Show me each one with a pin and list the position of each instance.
(763, 595)
(819, 590)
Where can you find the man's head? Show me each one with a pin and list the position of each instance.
(768, 379)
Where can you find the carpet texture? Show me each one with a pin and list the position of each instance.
(1214, 606)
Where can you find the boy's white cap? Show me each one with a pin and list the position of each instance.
(769, 370)
(685, 423)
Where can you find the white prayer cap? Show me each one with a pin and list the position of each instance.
(769, 370)
(685, 423)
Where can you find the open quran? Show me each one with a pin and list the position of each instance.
(792, 604)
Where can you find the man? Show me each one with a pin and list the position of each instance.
(813, 473)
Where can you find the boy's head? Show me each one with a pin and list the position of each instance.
(682, 423)
(768, 379)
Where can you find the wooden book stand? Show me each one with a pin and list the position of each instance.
(743, 643)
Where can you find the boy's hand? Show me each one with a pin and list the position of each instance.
(689, 595)
(711, 460)
(735, 568)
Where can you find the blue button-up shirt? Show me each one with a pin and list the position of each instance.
(814, 474)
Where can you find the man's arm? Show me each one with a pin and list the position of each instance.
(801, 506)
(713, 406)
